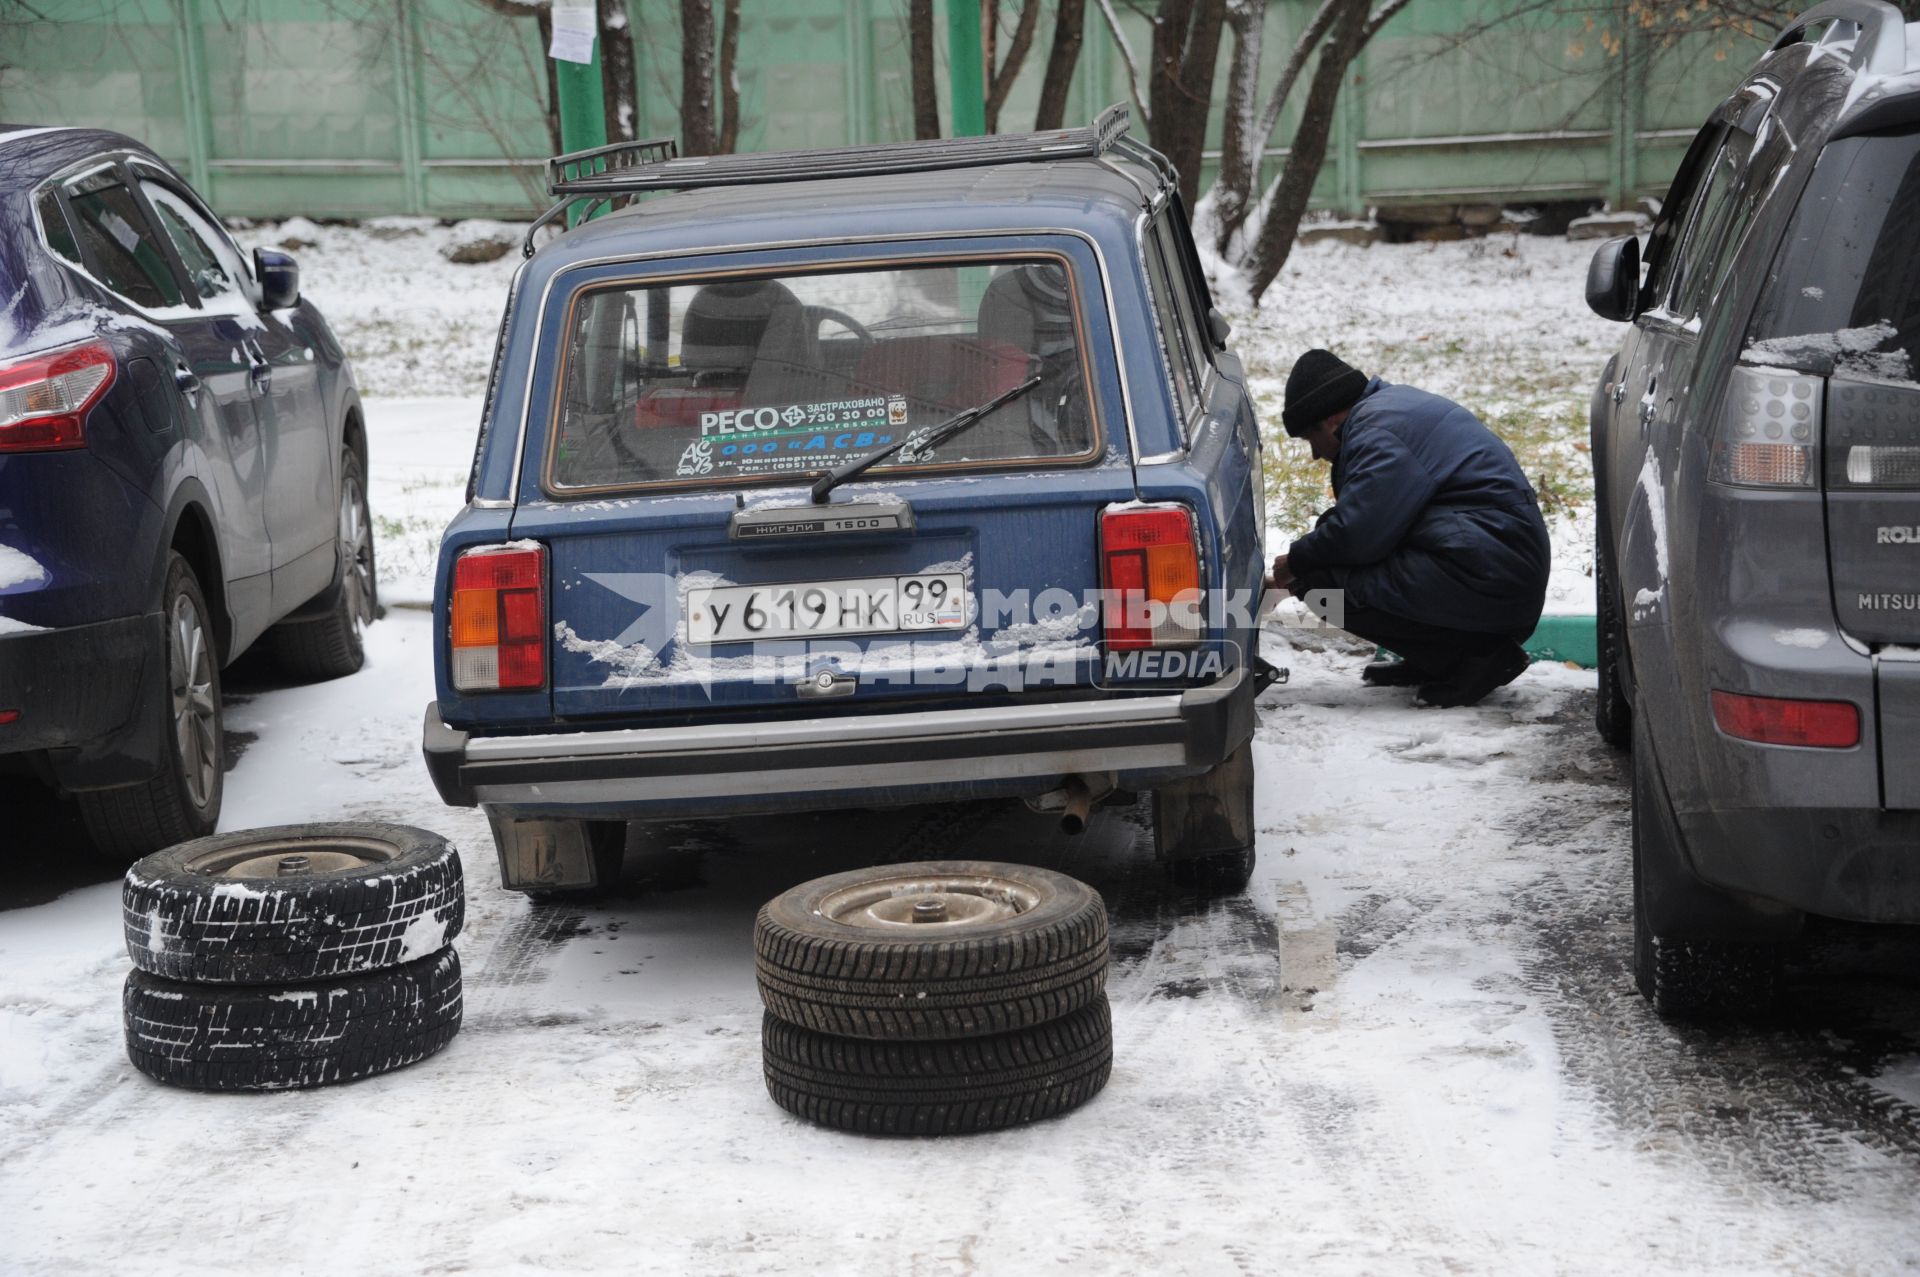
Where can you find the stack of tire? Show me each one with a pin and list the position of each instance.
(937, 998)
(292, 957)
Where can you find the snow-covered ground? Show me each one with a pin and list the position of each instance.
(1411, 1047)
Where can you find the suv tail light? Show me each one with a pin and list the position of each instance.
(44, 400)
(1148, 564)
(499, 618)
(1772, 720)
(1873, 436)
(1771, 435)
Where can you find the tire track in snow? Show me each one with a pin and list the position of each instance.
(1770, 1113)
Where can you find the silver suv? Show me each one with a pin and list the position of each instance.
(1756, 447)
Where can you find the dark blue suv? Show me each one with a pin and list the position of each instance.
(851, 478)
(182, 470)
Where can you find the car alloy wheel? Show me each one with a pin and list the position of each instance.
(356, 550)
(196, 732)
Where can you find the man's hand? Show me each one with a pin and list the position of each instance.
(1282, 578)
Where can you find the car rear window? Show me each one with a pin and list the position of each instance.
(713, 381)
(1844, 292)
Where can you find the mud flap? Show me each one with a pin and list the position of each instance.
(1678, 905)
(1207, 814)
(557, 855)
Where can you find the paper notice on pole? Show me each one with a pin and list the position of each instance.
(574, 27)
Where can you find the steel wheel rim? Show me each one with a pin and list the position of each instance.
(928, 903)
(321, 854)
(195, 713)
(356, 543)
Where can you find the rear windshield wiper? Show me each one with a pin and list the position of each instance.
(931, 439)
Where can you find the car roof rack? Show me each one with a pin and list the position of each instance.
(629, 168)
(1880, 45)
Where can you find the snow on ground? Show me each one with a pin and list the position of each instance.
(419, 452)
(1410, 1048)
(413, 323)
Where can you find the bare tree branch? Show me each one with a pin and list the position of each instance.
(1068, 31)
(1294, 187)
(1001, 80)
(1126, 55)
(1239, 148)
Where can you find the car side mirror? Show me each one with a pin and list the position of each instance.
(1217, 327)
(279, 277)
(1613, 279)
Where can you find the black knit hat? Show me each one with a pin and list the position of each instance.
(1320, 385)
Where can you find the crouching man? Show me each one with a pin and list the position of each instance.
(1435, 536)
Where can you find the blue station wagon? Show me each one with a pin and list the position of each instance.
(851, 478)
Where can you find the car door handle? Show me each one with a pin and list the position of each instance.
(187, 384)
(258, 369)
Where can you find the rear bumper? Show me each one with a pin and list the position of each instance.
(1859, 865)
(85, 696)
(853, 760)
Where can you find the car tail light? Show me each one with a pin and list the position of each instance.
(9, 716)
(1150, 569)
(1771, 435)
(44, 400)
(499, 618)
(1773, 720)
(1872, 435)
(1883, 466)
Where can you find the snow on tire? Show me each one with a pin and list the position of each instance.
(293, 904)
(939, 1088)
(244, 1038)
(930, 951)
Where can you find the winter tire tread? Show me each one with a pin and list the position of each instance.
(230, 1038)
(195, 927)
(1023, 972)
(955, 1087)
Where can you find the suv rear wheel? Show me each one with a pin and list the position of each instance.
(1686, 976)
(1612, 711)
(183, 800)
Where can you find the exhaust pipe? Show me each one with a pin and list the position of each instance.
(1073, 818)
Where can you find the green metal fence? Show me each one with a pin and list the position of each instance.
(342, 108)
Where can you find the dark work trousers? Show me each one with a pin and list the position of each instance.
(1431, 648)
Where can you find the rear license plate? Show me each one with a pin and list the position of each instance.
(869, 605)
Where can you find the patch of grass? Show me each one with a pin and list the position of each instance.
(1538, 408)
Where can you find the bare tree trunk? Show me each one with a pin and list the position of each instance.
(617, 85)
(1069, 29)
(1295, 184)
(696, 77)
(1186, 42)
(1001, 80)
(926, 94)
(1233, 197)
(1112, 20)
(730, 80)
(1239, 147)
